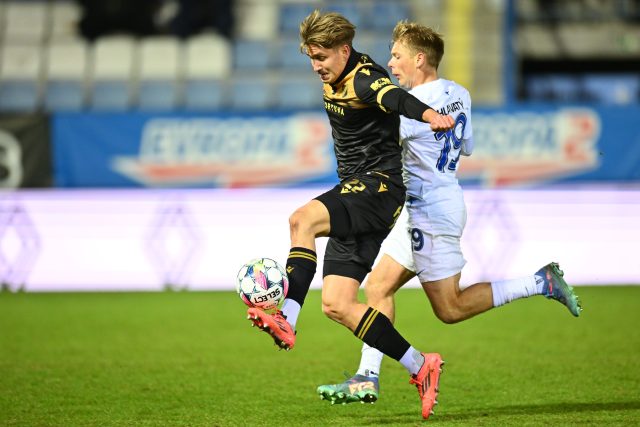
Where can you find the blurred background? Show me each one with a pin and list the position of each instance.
(157, 144)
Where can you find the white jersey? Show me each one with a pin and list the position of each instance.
(426, 238)
(431, 158)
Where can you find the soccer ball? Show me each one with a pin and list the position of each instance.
(262, 282)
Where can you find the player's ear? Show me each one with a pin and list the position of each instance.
(421, 59)
(345, 50)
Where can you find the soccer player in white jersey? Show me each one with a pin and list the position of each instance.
(426, 238)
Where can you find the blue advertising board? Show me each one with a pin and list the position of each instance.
(515, 146)
(187, 150)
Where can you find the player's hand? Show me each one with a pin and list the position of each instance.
(437, 121)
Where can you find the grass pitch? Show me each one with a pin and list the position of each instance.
(191, 359)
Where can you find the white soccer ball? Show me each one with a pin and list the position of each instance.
(262, 282)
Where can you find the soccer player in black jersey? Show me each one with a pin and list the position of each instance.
(363, 107)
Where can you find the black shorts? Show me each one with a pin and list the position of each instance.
(362, 211)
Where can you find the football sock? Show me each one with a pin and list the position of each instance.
(505, 291)
(301, 267)
(370, 361)
(412, 360)
(377, 330)
(291, 309)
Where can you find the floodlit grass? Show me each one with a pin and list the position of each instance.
(191, 359)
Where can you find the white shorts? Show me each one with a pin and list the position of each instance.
(428, 245)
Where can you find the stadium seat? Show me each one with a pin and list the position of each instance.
(565, 88)
(378, 47)
(290, 58)
(205, 94)
(257, 20)
(613, 89)
(384, 15)
(300, 92)
(353, 11)
(252, 55)
(20, 77)
(113, 73)
(66, 75)
(65, 15)
(159, 71)
(208, 56)
(252, 92)
(25, 21)
(208, 63)
(292, 14)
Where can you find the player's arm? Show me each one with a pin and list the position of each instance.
(467, 137)
(374, 87)
(467, 147)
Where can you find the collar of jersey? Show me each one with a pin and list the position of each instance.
(351, 64)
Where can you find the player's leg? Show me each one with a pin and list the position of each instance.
(305, 224)
(548, 281)
(395, 268)
(451, 304)
(441, 282)
(364, 386)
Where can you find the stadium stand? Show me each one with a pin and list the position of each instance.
(66, 70)
(20, 76)
(205, 71)
(112, 80)
(208, 65)
(159, 73)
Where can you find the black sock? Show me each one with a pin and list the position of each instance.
(301, 267)
(377, 330)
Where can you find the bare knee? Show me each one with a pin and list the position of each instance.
(449, 313)
(298, 222)
(335, 310)
(448, 316)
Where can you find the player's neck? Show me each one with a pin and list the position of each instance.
(424, 77)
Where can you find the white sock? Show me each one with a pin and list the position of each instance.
(370, 361)
(412, 360)
(291, 309)
(505, 291)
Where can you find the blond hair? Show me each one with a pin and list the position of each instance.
(420, 38)
(327, 30)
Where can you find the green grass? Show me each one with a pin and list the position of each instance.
(191, 359)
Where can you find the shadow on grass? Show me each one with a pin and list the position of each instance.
(551, 409)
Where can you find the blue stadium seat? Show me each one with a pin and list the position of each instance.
(300, 92)
(384, 15)
(290, 57)
(292, 14)
(352, 11)
(64, 95)
(111, 95)
(252, 93)
(204, 94)
(252, 54)
(613, 89)
(18, 95)
(157, 95)
(565, 88)
(378, 47)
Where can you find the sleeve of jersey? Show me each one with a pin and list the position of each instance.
(373, 87)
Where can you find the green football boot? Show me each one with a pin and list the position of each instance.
(358, 388)
(556, 288)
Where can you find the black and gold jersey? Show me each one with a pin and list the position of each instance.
(365, 131)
